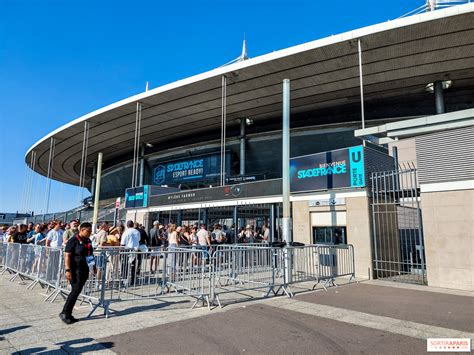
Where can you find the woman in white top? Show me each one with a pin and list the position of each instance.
(172, 237)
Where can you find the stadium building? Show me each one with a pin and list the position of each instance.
(381, 147)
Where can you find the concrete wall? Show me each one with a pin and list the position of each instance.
(301, 222)
(358, 224)
(406, 151)
(448, 222)
(359, 234)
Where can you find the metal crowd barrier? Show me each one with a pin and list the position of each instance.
(3, 256)
(246, 268)
(320, 264)
(192, 271)
(131, 275)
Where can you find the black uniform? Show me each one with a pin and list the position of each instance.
(80, 249)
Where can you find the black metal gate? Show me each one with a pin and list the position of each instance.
(398, 245)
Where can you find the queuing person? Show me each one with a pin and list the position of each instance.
(100, 238)
(154, 235)
(184, 236)
(39, 240)
(247, 235)
(78, 259)
(39, 236)
(173, 240)
(266, 233)
(114, 236)
(54, 238)
(31, 230)
(32, 236)
(218, 235)
(130, 240)
(155, 242)
(193, 238)
(71, 231)
(21, 236)
(203, 236)
(144, 239)
(3, 233)
(10, 234)
(131, 237)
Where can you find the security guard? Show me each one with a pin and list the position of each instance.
(78, 260)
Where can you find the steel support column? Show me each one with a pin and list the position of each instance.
(361, 84)
(242, 145)
(97, 193)
(272, 223)
(94, 171)
(50, 172)
(142, 166)
(205, 215)
(223, 128)
(236, 223)
(136, 146)
(286, 221)
(439, 97)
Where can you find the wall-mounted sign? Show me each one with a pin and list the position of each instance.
(243, 178)
(136, 197)
(324, 171)
(238, 191)
(327, 202)
(192, 169)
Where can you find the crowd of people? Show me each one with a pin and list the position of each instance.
(78, 243)
(133, 235)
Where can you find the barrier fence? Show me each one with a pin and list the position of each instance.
(205, 275)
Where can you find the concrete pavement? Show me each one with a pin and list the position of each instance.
(365, 318)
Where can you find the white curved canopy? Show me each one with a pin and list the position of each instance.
(399, 58)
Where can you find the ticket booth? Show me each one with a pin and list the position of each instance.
(329, 227)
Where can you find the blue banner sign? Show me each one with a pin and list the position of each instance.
(199, 168)
(323, 171)
(136, 197)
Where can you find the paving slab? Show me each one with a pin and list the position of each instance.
(262, 329)
(432, 308)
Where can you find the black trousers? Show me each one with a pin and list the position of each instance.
(77, 283)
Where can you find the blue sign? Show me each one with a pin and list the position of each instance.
(199, 168)
(136, 197)
(328, 170)
(356, 163)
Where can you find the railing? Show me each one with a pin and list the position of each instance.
(84, 214)
(124, 274)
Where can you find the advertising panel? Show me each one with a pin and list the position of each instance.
(323, 171)
(192, 169)
(238, 191)
(136, 197)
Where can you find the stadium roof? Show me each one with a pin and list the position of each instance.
(399, 58)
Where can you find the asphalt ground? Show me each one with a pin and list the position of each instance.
(262, 329)
(432, 308)
(366, 318)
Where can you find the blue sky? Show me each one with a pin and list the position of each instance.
(62, 59)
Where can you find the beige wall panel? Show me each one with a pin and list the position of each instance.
(406, 151)
(448, 225)
(328, 219)
(359, 234)
(301, 222)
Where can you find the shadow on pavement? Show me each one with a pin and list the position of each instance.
(13, 329)
(138, 309)
(68, 347)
